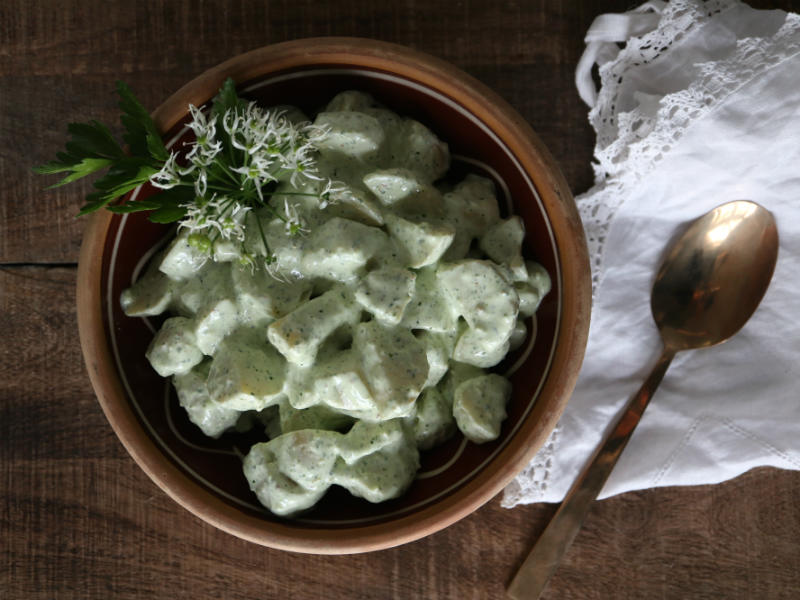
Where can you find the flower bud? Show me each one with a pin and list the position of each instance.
(200, 241)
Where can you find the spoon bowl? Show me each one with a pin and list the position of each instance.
(714, 276)
(710, 282)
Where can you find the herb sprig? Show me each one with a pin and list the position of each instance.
(212, 185)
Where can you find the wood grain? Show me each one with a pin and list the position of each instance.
(78, 518)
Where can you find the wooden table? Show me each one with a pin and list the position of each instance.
(79, 519)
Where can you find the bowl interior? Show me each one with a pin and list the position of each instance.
(212, 468)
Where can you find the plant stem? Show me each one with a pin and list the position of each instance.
(263, 237)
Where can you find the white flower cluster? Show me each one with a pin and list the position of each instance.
(230, 172)
(204, 151)
(273, 146)
(169, 176)
(219, 214)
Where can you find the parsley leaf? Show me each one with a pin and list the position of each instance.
(141, 135)
(92, 148)
(172, 204)
(78, 167)
(227, 99)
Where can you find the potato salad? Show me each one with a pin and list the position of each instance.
(373, 336)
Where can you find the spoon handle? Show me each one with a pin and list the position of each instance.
(546, 555)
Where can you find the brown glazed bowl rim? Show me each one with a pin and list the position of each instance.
(554, 192)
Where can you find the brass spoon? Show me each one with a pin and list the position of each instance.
(710, 283)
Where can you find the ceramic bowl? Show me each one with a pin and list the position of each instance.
(485, 135)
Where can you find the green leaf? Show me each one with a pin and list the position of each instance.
(171, 203)
(141, 135)
(94, 201)
(85, 167)
(90, 149)
(135, 136)
(121, 189)
(227, 98)
(173, 196)
(92, 139)
(155, 145)
(136, 206)
(128, 168)
(54, 166)
(67, 158)
(122, 177)
(167, 214)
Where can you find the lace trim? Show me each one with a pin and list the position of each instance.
(630, 144)
(532, 482)
(679, 19)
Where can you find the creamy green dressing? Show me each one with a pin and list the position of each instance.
(396, 301)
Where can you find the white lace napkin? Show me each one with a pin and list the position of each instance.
(701, 106)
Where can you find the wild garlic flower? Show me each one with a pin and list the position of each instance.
(258, 172)
(206, 146)
(217, 216)
(330, 192)
(169, 176)
(275, 148)
(293, 225)
(201, 183)
(234, 165)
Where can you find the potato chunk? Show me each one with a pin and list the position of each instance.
(337, 382)
(438, 349)
(211, 282)
(212, 418)
(429, 308)
(395, 367)
(385, 293)
(379, 378)
(488, 303)
(353, 100)
(299, 334)
(307, 456)
(274, 489)
(181, 261)
(419, 150)
(387, 463)
(262, 299)
(350, 133)
(213, 323)
(340, 248)
(471, 209)
(503, 244)
(174, 350)
(434, 422)
(391, 185)
(356, 205)
(424, 242)
(246, 375)
(479, 407)
(534, 289)
(150, 295)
